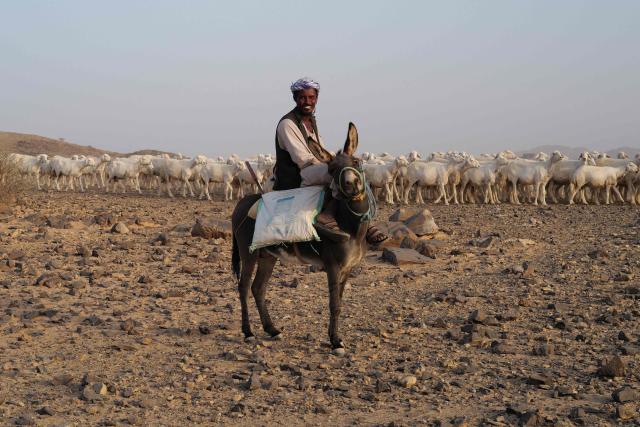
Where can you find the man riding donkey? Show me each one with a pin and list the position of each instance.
(301, 159)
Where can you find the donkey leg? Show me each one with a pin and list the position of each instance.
(248, 265)
(259, 290)
(335, 307)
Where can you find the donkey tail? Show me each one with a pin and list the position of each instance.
(235, 259)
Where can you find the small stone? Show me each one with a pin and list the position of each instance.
(24, 420)
(382, 386)
(624, 336)
(100, 389)
(254, 382)
(486, 242)
(427, 249)
(626, 411)
(213, 230)
(626, 394)
(612, 368)
(539, 379)
(622, 277)
(578, 413)
(145, 278)
(61, 379)
(204, 329)
(503, 348)
(402, 256)
(163, 239)
(45, 410)
(478, 316)
(407, 381)
(84, 251)
(120, 228)
(527, 270)
(544, 350)
(598, 253)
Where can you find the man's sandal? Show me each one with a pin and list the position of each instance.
(375, 236)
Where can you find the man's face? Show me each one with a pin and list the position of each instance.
(306, 101)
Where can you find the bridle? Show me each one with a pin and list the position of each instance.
(361, 195)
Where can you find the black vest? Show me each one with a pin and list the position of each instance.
(286, 171)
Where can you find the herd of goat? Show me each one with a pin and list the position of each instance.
(442, 177)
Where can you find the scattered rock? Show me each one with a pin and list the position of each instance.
(45, 410)
(211, 230)
(427, 249)
(162, 238)
(626, 394)
(503, 348)
(60, 221)
(401, 214)
(622, 277)
(254, 382)
(598, 254)
(407, 381)
(422, 223)
(626, 411)
(120, 228)
(544, 350)
(84, 251)
(485, 242)
(478, 316)
(612, 368)
(401, 256)
(104, 219)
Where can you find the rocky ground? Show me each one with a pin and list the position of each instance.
(526, 316)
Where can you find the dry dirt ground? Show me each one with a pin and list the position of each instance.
(100, 328)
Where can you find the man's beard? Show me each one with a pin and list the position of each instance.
(305, 112)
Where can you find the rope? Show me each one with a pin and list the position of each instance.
(372, 208)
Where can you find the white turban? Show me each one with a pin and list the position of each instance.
(304, 83)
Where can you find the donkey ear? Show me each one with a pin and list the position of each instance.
(351, 144)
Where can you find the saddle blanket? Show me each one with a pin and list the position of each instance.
(287, 216)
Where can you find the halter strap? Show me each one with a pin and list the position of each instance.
(371, 210)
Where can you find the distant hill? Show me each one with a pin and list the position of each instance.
(11, 142)
(22, 143)
(574, 152)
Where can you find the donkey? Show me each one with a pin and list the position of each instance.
(337, 259)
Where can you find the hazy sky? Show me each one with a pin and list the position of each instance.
(213, 77)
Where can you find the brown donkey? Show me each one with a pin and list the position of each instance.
(337, 259)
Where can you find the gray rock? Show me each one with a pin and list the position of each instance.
(254, 382)
(407, 381)
(422, 223)
(45, 410)
(544, 350)
(401, 256)
(612, 368)
(478, 316)
(84, 251)
(626, 394)
(486, 242)
(626, 411)
(120, 228)
(402, 214)
(427, 249)
(211, 229)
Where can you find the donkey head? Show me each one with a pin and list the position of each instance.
(346, 169)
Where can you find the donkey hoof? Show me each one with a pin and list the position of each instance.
(250, 339)
(277, 337)
(339, 351)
